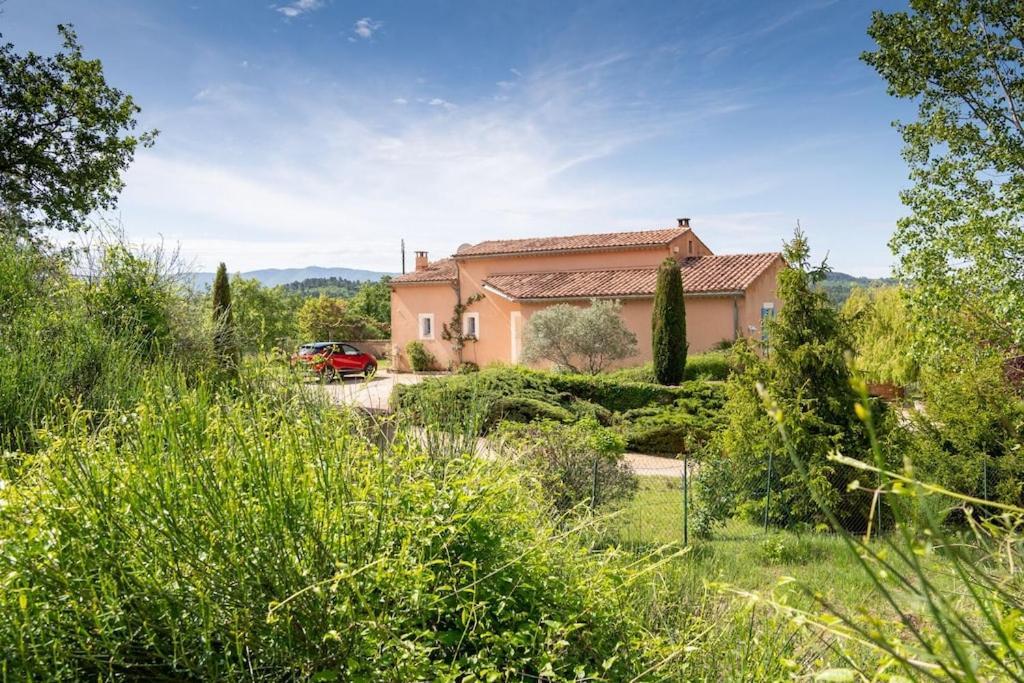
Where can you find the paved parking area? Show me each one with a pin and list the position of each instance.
(371, 394)
(375, 394)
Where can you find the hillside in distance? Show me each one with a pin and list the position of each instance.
(839, 285)
(272, 277)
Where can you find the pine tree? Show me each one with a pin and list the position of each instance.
(668, 324)
(225, 344)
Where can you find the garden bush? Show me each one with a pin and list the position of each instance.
(710, 366)
(266, 536)
(420, 359)
(525, 394)
(525, 409)
(572, 462)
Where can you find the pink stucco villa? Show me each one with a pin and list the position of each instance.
(509, 280)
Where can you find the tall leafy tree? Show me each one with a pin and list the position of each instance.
(963, 242)
(265, 317)
(65, 136)
(225, 339)
(668, 323)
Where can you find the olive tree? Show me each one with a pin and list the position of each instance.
(580, 339)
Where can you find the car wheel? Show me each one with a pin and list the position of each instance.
(328, 374)
(370, 370)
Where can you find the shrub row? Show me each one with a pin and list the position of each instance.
(651, 417)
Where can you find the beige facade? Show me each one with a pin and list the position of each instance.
(720, 307)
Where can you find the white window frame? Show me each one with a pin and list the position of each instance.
(420, 319)
(475, 317)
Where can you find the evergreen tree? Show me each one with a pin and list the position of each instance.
(225, 343)
(805, 374)
(668, 324)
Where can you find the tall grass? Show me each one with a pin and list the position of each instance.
(263, 535)
(951, 599)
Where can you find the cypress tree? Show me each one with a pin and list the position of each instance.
(668, 324)
(224, 342)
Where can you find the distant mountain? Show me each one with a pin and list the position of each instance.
(839, 285)
(272, 277)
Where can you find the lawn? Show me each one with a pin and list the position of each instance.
(742, 554)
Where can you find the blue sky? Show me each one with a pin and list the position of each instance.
(321, 132)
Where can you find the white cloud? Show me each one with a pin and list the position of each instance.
(444, 104)
(297, 7)
(366, 27)
(333, 178)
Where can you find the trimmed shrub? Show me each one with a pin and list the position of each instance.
(710, 366)
(420, 359)
(523, 409)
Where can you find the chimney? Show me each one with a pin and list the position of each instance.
(684, 222)
(421, 260)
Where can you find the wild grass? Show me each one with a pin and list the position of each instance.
(257, 533)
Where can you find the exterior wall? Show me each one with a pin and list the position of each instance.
(761, 291)
(407, 303)
(709, 319)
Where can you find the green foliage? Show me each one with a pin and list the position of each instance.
(66, 340)
(265, 317)
(65, 138)
(328, 319)
(839, 286)
(225, 336)
(805, 372)
(373, 301)
(962, 244)
(652, 418)
(567, 458)
(579, 339)
(668, 324)
(420, 359)
(526, 409)
(884, 335)
(132, 300)
(266, 537)
(710, 366)
(335, 287)
(970, 435)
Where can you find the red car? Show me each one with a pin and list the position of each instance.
(333, 359)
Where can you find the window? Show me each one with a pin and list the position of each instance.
(426, 325)
(471, 325)
(767, 312)
(689, 247)
(349, 350)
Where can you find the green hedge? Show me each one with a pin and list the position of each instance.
(710, 366)
(652, 418)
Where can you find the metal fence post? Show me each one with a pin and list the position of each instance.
(984, 479)
(768, 497)
(686, 499)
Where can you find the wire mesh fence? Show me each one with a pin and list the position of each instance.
(667, 506)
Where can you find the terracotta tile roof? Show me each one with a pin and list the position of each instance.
(725, 272)
(600, 241)
(442, 270)
(701, 275)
